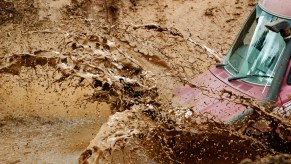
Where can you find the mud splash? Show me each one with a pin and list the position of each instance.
(135, 137)
(142, 125)
(128, 56)
(156, 135)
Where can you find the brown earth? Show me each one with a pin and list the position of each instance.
(66, 66)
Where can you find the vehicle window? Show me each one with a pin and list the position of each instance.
(256, 51)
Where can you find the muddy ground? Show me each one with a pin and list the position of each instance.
(67, 65)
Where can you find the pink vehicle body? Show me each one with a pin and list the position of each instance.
(254, 81)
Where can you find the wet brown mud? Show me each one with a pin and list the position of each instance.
(134, 136)
(205, 147)
(68, 66)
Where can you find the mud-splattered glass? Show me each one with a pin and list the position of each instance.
(256, 51)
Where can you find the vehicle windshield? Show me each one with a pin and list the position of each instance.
(256, 51)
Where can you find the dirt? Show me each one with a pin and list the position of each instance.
(69, 67)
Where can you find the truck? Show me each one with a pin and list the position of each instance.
(256, 69)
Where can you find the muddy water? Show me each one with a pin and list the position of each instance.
(45, 121)
(76, 63)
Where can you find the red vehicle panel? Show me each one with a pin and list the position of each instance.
(209, 99)
(281, 8)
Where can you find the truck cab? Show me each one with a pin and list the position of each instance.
(257, 68)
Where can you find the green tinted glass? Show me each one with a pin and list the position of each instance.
(256, 51)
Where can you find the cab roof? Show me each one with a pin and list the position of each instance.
(281, 8)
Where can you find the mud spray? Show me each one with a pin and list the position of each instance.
(82, 61)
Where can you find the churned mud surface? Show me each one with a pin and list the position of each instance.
(91, 81)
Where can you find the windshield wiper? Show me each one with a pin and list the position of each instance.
(220, 65)
(247, 76)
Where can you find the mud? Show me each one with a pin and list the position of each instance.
(142, 140)
(68, 67)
